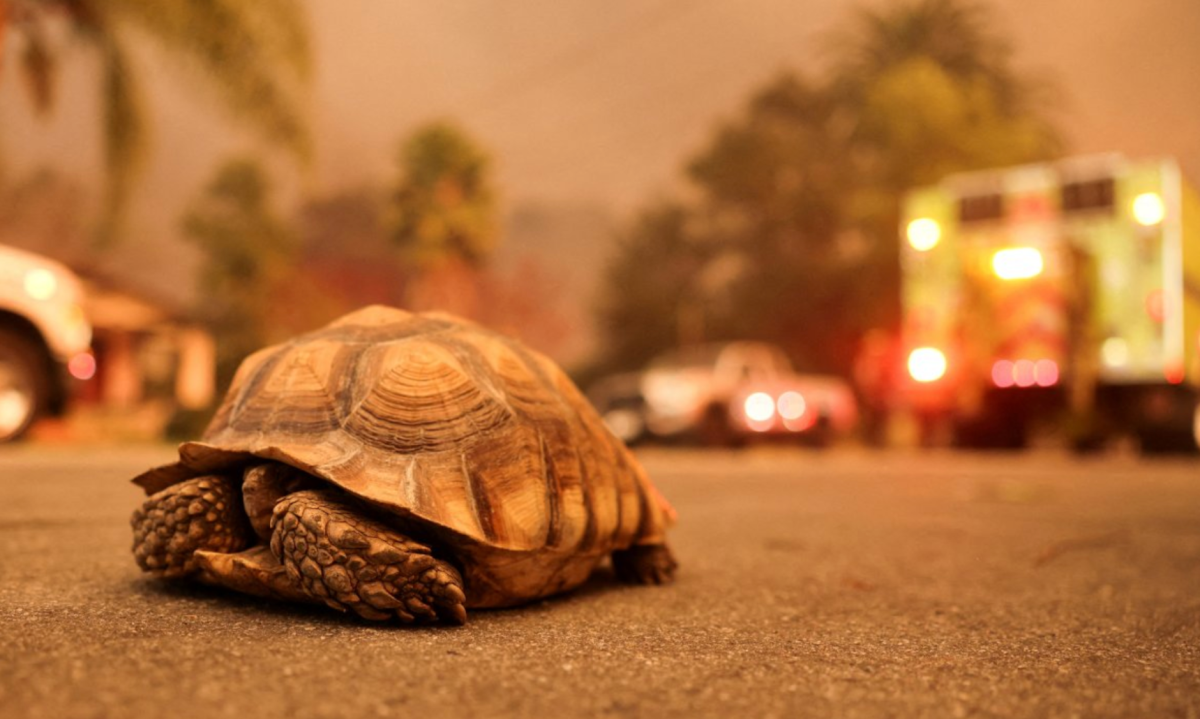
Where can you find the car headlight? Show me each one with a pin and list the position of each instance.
(759, 407)
(40, 284)
(791, 405)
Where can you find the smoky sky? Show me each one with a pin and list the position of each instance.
(587, 103)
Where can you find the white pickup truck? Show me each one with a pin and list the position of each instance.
(44, 338)
(725, 393)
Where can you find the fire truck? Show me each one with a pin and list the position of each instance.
(1058, 298)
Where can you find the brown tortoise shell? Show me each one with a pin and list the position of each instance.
(461, 434)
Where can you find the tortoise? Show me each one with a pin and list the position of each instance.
(403, 466)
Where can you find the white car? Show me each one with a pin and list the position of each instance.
(723, 393)
(44, 335)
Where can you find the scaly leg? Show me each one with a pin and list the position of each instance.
(199, 514)
(350, 561)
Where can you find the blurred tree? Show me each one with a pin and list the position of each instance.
(526, 303)
(805, 186)
(954, 35)
(444, 206)
(927, 88)
(774, 182)
(254, 55)
(347, 254)
(444, 216)
(650, 296)
(249, 293)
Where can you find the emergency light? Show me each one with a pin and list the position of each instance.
(926, 364)
(1017, 263)
(923, 234)
(1148, 209)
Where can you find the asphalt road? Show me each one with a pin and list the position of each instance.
(840, 584)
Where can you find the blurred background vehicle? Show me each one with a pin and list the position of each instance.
(619, 400)
(724, 393)
(44, 339)
(1061, 294)
(817, 409)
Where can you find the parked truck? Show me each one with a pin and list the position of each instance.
(1059, 297)
(44, 339)
(726, 393)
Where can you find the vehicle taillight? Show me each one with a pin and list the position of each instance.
(82, 366)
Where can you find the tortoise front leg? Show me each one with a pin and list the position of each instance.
(353, 562)
(172, 525)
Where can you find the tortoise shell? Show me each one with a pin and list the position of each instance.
(481, 441)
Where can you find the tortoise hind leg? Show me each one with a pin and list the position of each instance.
(350, 561)
(172, 525)
(645, 564)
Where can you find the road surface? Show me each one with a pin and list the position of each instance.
(839, 584)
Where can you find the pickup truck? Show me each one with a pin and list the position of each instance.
(725, 393)
(44, 338)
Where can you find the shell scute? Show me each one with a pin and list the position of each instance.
(419, 399)
(512, 500)
(295, 392)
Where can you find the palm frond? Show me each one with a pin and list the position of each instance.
(124, 138)
(255, 56)
(38, 68)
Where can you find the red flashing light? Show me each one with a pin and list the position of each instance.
(1002, 373)
(1156, 306)
(1174, 373)
(1045, 373)
(1031, 207)
(1025, 373)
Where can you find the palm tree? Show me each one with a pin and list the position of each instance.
(254, 55)
(444, 205)
(444, 217)
(250, 253)
(953, 33)
(929, 88)
(933, 87)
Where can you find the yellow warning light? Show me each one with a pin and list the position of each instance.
(1018, 263)
(1148, 209)
(923, 234)
(926, 364)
